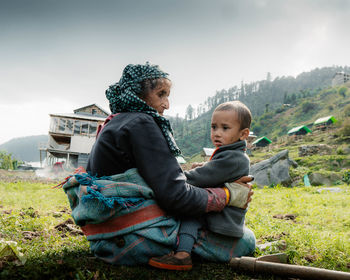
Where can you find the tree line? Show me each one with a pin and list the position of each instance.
(263, 97)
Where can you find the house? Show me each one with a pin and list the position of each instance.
(262, 142)
(299, 130)
(180, 160)
(324, 122)
(340, 78)
(207, 152)
(251, 138)
(72, 135)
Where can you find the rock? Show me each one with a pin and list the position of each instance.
(318, 179)
(311, 258)
(309, 150)
(277, 245)
(336, 190)
(274, 170)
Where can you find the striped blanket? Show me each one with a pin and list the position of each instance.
(124, 224)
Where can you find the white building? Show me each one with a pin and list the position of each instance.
(340, 78)
(72, 135)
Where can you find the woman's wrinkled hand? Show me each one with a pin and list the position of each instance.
(244, 181)
(197, 164)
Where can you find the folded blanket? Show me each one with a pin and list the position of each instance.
(124, 224)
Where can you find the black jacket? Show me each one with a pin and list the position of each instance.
(134, 140)
(229, 163)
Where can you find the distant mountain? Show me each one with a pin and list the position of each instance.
(25, 148)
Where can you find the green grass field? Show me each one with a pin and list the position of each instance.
(317, 234)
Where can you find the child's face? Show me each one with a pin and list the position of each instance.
(225, 128)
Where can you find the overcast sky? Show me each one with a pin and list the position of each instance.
(59, 55)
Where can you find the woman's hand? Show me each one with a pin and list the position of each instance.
(244, 182)
(197, 164)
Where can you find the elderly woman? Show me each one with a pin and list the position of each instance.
(149, 193)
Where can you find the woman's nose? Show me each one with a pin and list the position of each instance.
(166, 103)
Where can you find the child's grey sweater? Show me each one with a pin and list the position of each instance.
(228, 164)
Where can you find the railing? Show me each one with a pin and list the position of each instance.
(42, 146)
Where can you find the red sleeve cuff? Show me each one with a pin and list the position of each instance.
(216, 199)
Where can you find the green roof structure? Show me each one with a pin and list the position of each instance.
(262, 141)
(303, 129)
(325, 120)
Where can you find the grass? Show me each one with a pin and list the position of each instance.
(320, 231)
(318, 236)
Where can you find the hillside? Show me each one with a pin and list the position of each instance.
(280, 108)
(308, 97)
(24, 148)
(331, 164)
(330, 101)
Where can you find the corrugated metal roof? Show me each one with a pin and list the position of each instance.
(91, 106)
(208, 151)
(296, 129)
(180, 160)
(77, 116)
(325, 119)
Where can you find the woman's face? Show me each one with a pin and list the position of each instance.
(158, 98)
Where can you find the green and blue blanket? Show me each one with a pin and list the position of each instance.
(124, 225)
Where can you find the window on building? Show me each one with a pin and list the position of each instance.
(92, 128)
(69, 127)
(84, 127)
(62, 125)
(77, 125)
(53, 124)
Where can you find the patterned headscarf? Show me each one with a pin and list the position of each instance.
(122, 97)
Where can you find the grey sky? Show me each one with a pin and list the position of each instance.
(56, 56)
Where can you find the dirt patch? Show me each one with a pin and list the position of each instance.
(30, 235)
(285, 216)
(68, 226)
(13, 176)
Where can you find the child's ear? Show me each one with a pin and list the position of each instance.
(244, 134)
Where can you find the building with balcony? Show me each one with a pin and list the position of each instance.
(340, 78)
(72, 135)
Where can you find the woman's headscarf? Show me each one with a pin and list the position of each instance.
(122, 97)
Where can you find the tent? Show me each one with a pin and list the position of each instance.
(262, 142)
(299, 130)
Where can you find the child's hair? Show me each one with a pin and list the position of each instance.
(243, 113)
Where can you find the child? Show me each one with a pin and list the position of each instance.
(230, 125)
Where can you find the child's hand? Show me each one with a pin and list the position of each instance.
(244, 182)
(197, 164)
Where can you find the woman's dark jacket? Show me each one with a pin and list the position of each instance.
(228, 164)
(134, 140)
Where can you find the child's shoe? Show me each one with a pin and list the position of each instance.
(170, 262)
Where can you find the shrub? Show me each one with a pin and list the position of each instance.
(346, 176)
(345, 130)
(347, 111)
(7, 161)
(342, 91)
(308, 106)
